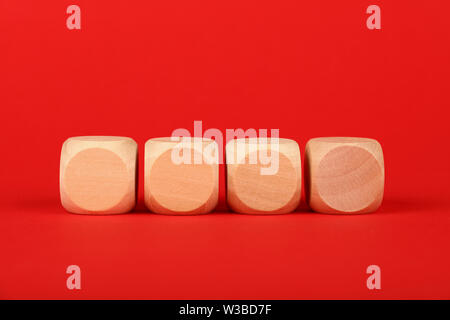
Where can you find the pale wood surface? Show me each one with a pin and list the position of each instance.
(98, 174)
(180, 189)
(344, 175)
(249, 191)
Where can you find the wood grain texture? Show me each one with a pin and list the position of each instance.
(344, 175)
(98, 174)
(180, 188)
(250, 191)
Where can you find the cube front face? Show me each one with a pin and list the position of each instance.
(263, 178)
(344, 175)
(181, 178)
(98, 175)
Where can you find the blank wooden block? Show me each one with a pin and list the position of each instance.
(251, 191)
(189, 187)
(344, 175)
(98, 174)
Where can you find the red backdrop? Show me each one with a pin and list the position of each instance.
(144, 68)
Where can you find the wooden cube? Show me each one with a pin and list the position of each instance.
(344, 175)
(98, 174)
(181, 175)
(263, 177)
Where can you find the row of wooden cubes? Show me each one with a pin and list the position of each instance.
(98, 175)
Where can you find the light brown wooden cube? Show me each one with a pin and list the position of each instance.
(181, 175)
(98, 174)
(344, 175)
(263, 177)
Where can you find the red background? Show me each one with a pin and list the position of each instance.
(144, 68)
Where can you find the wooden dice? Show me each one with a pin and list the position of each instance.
(344, 175)
(181, 175)
(98, 174)
(263, 177)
